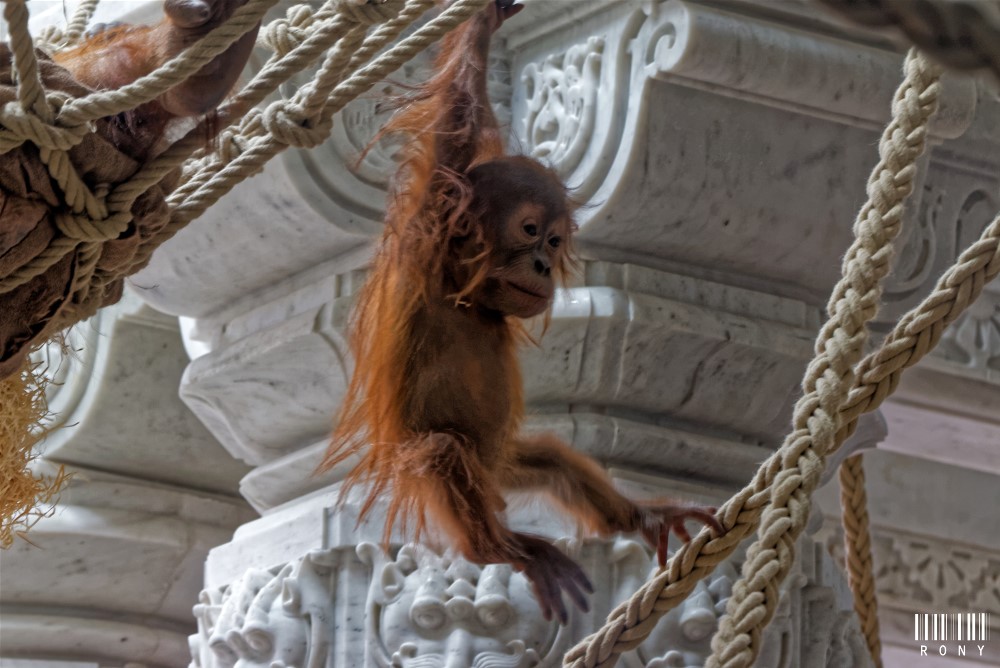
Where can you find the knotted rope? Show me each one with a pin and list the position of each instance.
(778, 498)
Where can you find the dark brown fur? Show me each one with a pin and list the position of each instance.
(473, 242)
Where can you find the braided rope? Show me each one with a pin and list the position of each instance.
(786, 479)
(51, 38)
(858, 552)
(830, 376)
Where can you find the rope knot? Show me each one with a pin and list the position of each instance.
(283, 35)
(231, 144)
(290, 124)
(82, 227)
(369, 12)
(18, 126)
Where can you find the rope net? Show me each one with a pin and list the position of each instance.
(104, 226)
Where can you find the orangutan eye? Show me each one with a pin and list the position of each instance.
(555, 241)
(530, 229)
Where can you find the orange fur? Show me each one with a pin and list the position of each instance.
(429, 207)
(473, 242)
(118, 55)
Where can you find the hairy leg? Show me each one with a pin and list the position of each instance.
(443, 475)
(581, 486)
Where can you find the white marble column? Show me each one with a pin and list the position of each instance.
(110, 577)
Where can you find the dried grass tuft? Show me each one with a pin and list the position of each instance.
(24, 497)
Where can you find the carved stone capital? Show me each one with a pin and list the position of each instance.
(339, 598)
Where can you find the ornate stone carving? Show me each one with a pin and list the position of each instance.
(279, 618)
(436, 610)
(425, 609)
(421, 609)
(928, 573)
(561, 94)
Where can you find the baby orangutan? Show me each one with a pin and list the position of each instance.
(474, 242)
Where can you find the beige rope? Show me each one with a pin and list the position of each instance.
(175, 71)
(251, 161)
(273, 74)
(30, 93)
(829, 378)
(52, 38)
(318, 35)
(787, 478)
(81, 19)
(282, 124)
(858, 552)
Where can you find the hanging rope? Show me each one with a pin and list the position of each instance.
(777, 500)
(858, 552)
(854, 303)
(303, 121)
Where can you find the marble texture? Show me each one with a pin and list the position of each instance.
(332, 597)
(109, 577)
(116, 407)
(933, 545)
(721, 149)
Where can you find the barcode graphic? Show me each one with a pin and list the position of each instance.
(956, 626)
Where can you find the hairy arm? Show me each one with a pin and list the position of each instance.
(466, 130)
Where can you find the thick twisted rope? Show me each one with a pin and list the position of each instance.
(30, 93)
(788, 476)
(81, 18)
(52, 38)
(830, 376)
(274, 73)
(317, 33)
(305, 120)
(858, 552)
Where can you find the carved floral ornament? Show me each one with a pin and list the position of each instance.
(425, 609)
(926, 572)
(561, 96)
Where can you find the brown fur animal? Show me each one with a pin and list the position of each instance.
(113, 56)
(474, 242)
